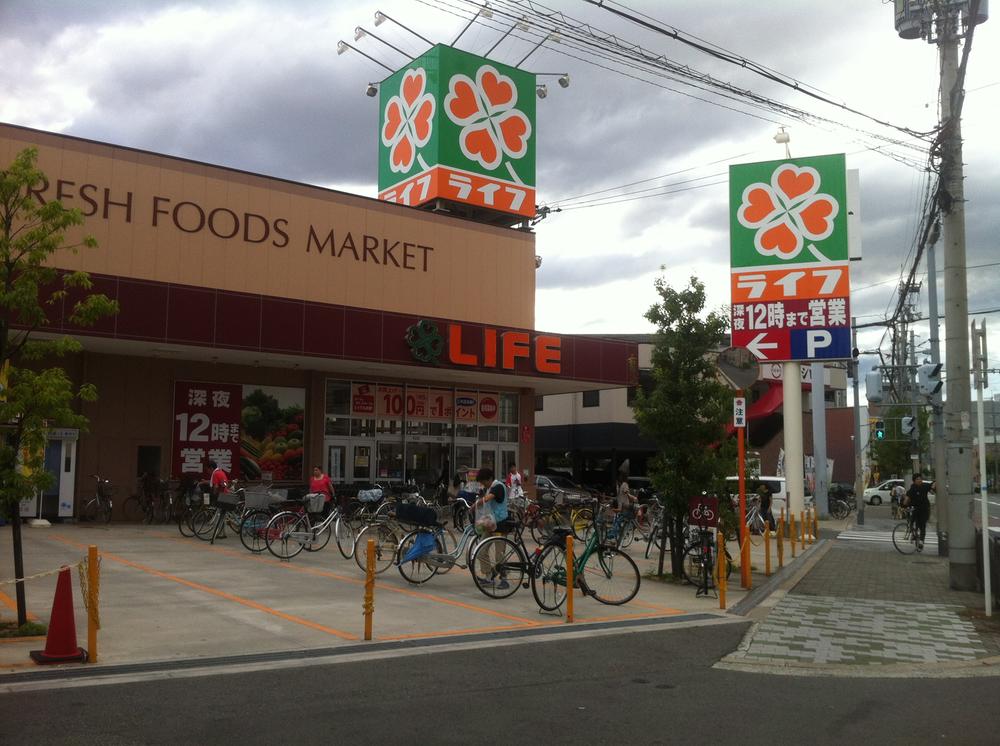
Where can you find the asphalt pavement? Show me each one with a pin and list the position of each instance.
(645, 687)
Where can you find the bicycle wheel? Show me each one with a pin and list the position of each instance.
(902, 538)
(386, 542)
(416, 571)
(253, 529)
(610, 576)
(543, 525)
(279, 538)
(580, 521)
(839, 509)
(626, 534)
(696, 561)
(133, 509)
(498, 567)
(346, 531)
(548, 578)
(203, 522)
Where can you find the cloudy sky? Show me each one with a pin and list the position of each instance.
(636, 162)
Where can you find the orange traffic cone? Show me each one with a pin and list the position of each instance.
(60, 643)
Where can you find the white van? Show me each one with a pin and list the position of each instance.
(775, 484)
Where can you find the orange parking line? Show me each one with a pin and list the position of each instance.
(216, 592)
(11, 604)
(359, 581)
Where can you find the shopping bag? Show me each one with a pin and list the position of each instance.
(486, 523)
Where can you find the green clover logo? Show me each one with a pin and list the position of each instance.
(425, 341)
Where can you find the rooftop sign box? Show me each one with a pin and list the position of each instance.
(789, 259)
(457, 127)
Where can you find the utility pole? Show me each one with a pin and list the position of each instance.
(961, 535)
(911, 384)
(943, 23)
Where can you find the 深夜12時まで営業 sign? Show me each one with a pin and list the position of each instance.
(789, 258)
(458, 127)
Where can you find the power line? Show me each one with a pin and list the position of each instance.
(659, 27)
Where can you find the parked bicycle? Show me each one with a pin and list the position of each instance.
(287, 533)
(602, 571)
(101, 505)
(417, 565)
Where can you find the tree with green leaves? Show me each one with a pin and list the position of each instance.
(33, 295)
(686, 408)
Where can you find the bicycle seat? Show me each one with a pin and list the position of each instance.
(562, 531)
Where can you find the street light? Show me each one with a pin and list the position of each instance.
(381, 18)
(343, 46)
(522, 24)
(484, 11)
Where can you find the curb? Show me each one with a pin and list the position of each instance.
(943, 670)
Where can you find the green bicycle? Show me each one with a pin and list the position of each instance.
(602, 571)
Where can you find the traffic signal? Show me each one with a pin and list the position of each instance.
(908, 425)
(929, 379)
(873, 386)
(879, 430)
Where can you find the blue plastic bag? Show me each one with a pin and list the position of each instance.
(424, 543)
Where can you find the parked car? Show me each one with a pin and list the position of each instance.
(882, 493)
(775, 484)
(562, 488)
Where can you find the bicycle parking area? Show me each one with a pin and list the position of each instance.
(164, 596)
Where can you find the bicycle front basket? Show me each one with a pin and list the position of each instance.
(314, 502)
(416, 514)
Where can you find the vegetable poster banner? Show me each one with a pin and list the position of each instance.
(253, 432)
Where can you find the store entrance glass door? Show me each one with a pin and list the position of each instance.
(336, 461)
(362, 461)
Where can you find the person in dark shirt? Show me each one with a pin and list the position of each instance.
(916, 497)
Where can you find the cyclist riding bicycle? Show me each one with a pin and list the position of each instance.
(916, 497)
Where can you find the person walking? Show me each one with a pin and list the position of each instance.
(766, 499)
(916, 497)
(219, 485)
(515, 488)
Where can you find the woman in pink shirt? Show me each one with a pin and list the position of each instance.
(320, 482)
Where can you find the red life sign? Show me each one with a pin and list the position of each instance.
(703, 511)
(206, 428)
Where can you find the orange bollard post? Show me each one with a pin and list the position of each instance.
(802, 529)
(721, 568)
(369, 604)
(569, 579)
(791, 531)
(781, 541)
(767, 550)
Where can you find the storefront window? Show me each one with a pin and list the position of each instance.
(466, 431)
(417, 428)
(425, 462)
(338, 425)
(338, 397)
(363, 428)
(508, 409)
(390, 462)
(465, 457)
(390, 427)
(488, 433)
(508, 435)
(439, 429)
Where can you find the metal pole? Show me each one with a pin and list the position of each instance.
(938, 449)
(791, 385)
(859, 476)
(741, 456)
(820, 482)
(979, 355)
(961, 535)
(911, 380)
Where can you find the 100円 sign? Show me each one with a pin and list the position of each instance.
(789, 258)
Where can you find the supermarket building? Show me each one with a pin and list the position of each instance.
(272, 326)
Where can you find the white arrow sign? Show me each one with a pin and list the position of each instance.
(757, 345)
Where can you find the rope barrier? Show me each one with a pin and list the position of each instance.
(91, 594)
(40, 574)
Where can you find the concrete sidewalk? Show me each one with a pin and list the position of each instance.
(859, 607)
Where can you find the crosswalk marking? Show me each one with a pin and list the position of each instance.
(930, 541)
